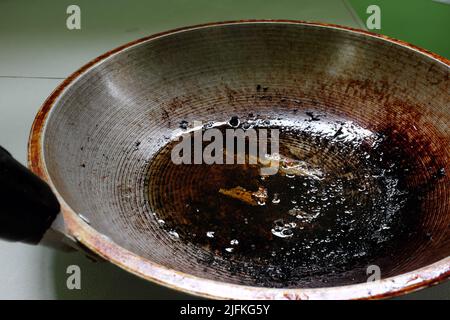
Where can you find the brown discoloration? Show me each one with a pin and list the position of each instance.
(149, 270)
(240, 194)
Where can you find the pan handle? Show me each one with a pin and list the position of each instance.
(27, 205)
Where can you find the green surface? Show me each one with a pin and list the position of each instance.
(425, 23)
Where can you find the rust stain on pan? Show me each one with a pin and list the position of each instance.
(146, 269)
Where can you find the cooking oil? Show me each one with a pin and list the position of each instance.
(338, 203)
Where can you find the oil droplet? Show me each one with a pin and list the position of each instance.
(234, 242)
(184, 124)
(276, 198)
(174, 235)
(283, 230)
(234, 121)
(261, 196)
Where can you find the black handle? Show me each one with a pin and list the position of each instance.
(27, 204)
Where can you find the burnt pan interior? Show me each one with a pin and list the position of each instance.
(369, 116)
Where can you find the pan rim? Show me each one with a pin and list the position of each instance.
(174, 279)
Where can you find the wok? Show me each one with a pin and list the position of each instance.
(100, 142)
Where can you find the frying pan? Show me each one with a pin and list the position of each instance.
(96, 138)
